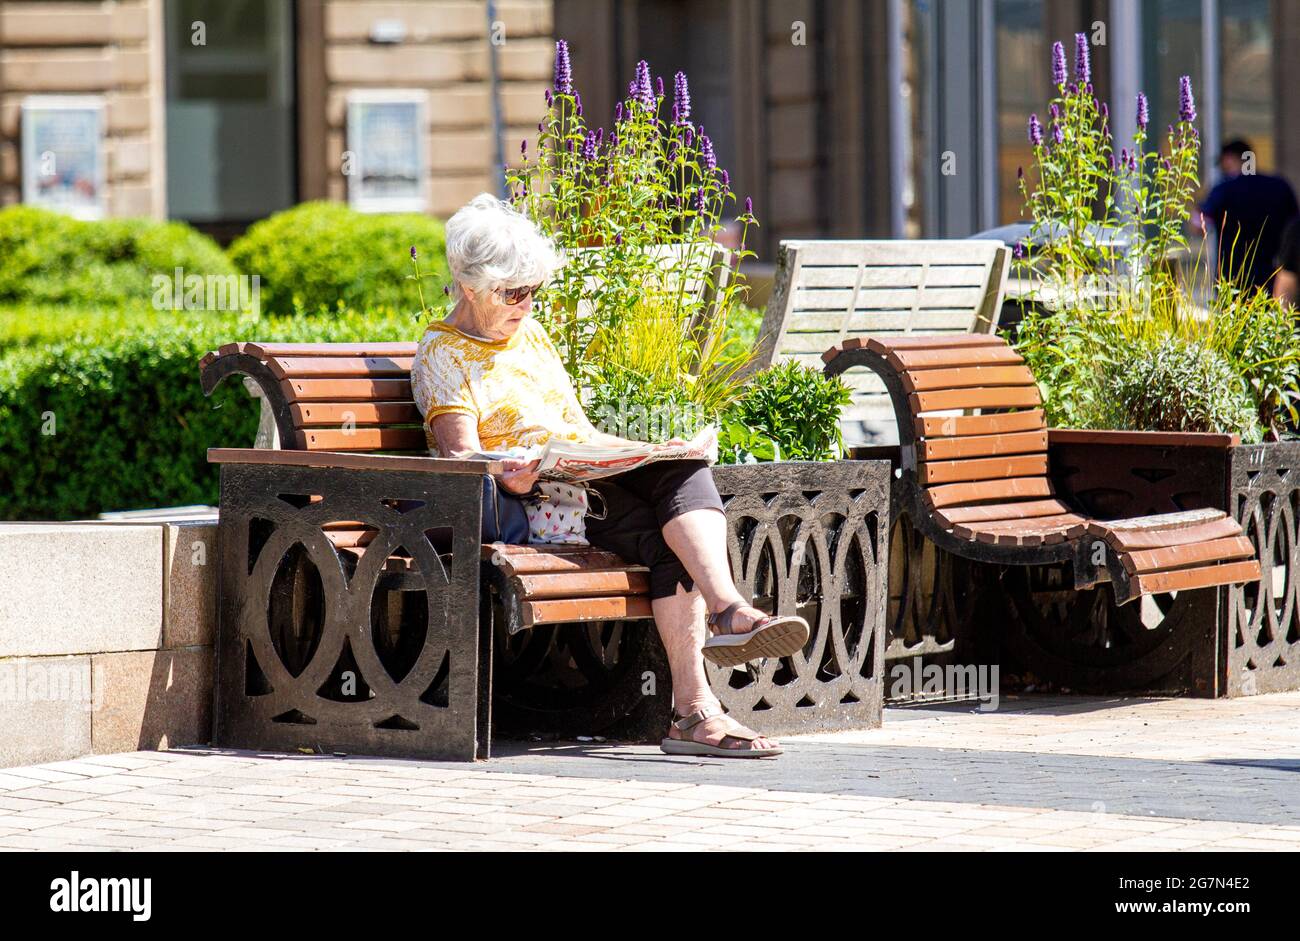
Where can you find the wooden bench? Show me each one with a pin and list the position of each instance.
(828, 291)
(974, 462)
(335, 527)
(356, 398)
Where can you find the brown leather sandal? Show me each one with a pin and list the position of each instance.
(771, 636)
(717, 743)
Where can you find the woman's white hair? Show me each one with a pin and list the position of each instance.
(490, 245)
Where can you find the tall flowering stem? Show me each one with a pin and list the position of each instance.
(1078, 189)
(612, 201)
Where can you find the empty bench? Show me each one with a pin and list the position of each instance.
(974, 466)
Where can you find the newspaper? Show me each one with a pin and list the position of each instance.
(572, 461)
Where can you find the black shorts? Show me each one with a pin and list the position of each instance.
(639, 502)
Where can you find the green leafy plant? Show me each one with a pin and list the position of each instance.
(1103, 312)
(1175, 385)
(319, 257)
(49, 258)
(794, 407)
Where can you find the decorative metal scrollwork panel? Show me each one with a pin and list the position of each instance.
(348, 618)
(810, 539)
(1263, 630)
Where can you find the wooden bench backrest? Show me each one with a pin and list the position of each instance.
(965, 459)
(341, 396)
(826, 292)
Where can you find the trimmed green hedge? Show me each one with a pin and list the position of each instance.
(117, 420)
(320, 255)
(50, 258)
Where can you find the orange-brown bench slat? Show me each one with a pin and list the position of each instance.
(999, 512)
(314, 414)
(268, 350)
(964, 426)
(585, 609)
(1207, 576)
(341, 367)
(1061, 522)
(904, 360)
(998, 397)
(948, 449)
(550, 585)
(346, 390)
(967, 377)
(986, 491)
(983, 468)
(590, 560)
(928, 341)
(1122, 541)
(362, 439)
(1185, 556)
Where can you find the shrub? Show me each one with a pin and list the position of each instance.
(50, 258)
(1176, 386)
(789, 412)
(117, 420)
(319, 256)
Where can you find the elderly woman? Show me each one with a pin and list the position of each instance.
(488, 378)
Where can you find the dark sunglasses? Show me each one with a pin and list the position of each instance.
(512, 296)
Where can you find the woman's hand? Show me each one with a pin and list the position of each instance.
(518, 476)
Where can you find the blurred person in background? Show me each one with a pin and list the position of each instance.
(1249, 212)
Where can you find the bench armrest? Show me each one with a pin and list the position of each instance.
(1167, 439)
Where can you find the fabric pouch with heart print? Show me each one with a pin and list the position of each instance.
(557, 513)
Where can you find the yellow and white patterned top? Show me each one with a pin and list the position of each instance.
(516, 388)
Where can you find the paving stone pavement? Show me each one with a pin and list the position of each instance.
(1041, 773)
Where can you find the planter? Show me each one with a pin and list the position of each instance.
(1029, 619)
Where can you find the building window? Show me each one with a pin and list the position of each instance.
(1023, 89)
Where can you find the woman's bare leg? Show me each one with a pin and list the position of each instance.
(699, 539)
(680, 620)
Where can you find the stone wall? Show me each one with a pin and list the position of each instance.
(446, 52)
(106, 638)
(105, 48)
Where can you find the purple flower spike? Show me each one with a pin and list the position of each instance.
(1186, 103)
(1056, 111)
(726, 181)
(1058, 134)
(1020, 173)
(569, 145)
(523, 147)
(677, 114)
(706, 148)
(414, 254)
(550, 99)
(749, 205)
(1082, 59)
(1035, 129)
(688, 137)
(618, 112)
(659, 86)
(1112, 163)
(577, 99)
(699, 200)
(1018, 251)
(1105, 112)
(540, 128)
(600, 136)
(681, 97)
(643, 93)
(618, 239)
(1144, 112)
(1133, 162)
(563, 71)
(1058, 64)
(1123, 156)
